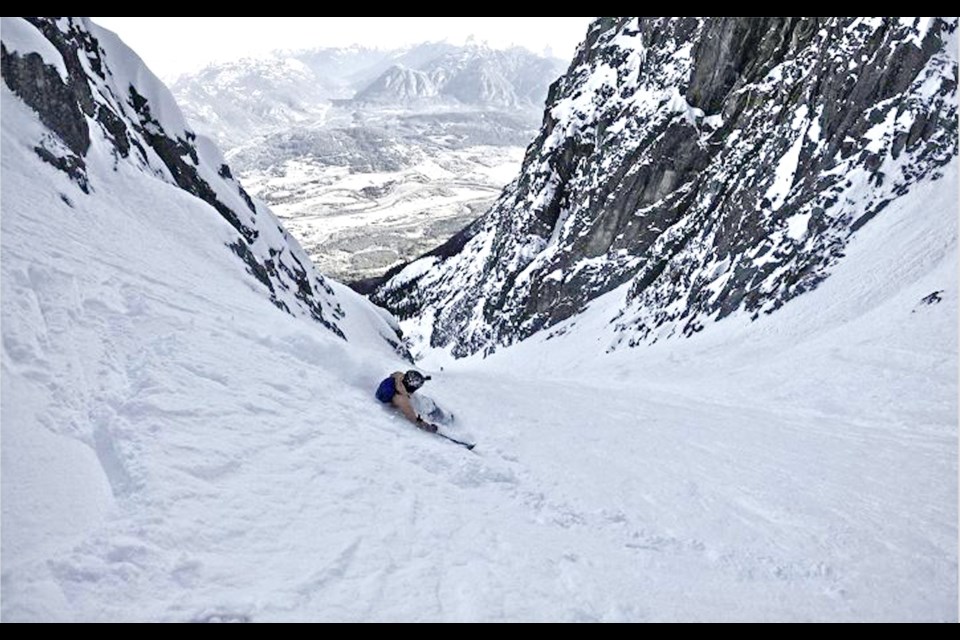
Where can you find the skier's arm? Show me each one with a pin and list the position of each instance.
(402, 402)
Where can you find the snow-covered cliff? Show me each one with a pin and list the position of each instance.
(709, 166)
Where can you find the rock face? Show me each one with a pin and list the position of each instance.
(103, 107)
(706, 166)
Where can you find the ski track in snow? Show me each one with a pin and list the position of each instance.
(244, 471)
(248, 482)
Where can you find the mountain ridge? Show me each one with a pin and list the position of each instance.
(98, 99)
(234, 101)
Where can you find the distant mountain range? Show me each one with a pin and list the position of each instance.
(444, 124)
(253, 97)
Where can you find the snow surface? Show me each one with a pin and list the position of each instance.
(800, 467)
(22, 37)
(174, 448)
(787, 166)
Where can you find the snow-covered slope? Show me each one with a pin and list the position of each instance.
(397, 85)
(715, 165)
(802, 466)
(105, 115)
(122, 231)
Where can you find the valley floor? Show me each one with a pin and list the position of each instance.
(358, 225)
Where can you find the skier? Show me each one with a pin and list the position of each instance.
(397, 389)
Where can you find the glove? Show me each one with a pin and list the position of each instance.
(426, 426)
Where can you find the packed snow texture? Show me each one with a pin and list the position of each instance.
(177, 449)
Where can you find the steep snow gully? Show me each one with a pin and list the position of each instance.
(178, 447)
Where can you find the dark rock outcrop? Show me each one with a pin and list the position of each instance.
(707, 166)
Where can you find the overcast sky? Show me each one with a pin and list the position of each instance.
(171, 46)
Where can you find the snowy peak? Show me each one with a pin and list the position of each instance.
(106, 112)
(472, 75)
(481, 82)
(252, 93)
(399, 84)
(708, 166)
(484, 76)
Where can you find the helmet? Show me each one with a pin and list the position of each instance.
(413, 380)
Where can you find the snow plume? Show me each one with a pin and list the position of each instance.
(716, 166)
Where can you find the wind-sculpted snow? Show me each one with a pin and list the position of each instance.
(713, 165)
(103, 108)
